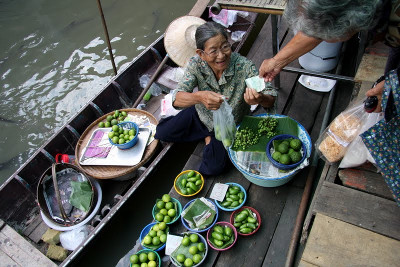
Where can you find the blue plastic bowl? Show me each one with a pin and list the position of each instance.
(127, 125)
(238, 207)
(276, 163)
(273, 181)
(147, 251)
(205, 229)
(145, 231)
(178, 212)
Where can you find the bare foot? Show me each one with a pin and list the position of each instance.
(207, 139)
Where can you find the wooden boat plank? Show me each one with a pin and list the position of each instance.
(302, 103)
(358, 208)
(277, 251)
(36, 235)
(336, 243)
(251, 250)
(199, 8)
(199, 149)
(16, 202)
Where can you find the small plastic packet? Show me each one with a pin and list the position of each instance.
(72, 239)
(334, 141)
(224, 124)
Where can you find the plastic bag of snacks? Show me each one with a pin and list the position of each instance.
(224, 124)
(357, 153)
(334, 141)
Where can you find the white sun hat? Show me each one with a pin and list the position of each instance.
(179, 39)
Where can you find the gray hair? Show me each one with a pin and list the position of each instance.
(331, 19)
(208, 30)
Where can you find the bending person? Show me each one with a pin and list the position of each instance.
(216, 71)
(315, 21)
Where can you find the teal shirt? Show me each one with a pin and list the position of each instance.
(231, 84)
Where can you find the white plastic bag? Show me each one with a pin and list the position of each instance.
(224, 124)
(72, 239)
(357, 153)
(166, 107)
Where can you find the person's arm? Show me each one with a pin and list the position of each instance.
(296, 47)
(210, 100)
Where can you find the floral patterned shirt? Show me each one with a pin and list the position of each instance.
(383, 139)
(231, 84)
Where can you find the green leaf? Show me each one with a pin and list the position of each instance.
(81, 196)
(285, 125)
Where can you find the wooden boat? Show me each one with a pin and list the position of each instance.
(19, 211)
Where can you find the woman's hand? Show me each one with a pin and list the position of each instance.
(377, 91)
(211, 100)
(269, 69)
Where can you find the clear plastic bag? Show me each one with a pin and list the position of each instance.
(336, 138)
(357, 153)
(72, 239)
(224, 124)
(154, 89)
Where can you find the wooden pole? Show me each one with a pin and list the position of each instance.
(107, 37)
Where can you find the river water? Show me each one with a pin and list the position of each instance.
(54, 58)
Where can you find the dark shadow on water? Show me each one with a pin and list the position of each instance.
(119, 235)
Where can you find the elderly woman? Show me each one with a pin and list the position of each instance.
(338, 20)
(315, 21)
(216, 71)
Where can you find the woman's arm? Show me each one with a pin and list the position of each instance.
(210, 100)
(297, 46)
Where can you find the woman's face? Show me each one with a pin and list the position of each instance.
(217, 53)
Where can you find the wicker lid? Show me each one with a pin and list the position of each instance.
(179, 39)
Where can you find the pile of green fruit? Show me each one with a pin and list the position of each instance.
(148, 259)
(119, 135)
(287, 151)
(117, 117)
(222, 236)
(165, 209)
(245, 221)
(234, 197)
(246, 137)
(156, 237)
(191, 250)
(189, 182)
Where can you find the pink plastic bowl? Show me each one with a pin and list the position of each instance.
(223, 224)
(254, 211)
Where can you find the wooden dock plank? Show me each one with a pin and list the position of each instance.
(270, 203)
(20, 250)
(358, 208)
(366, 181)
(336, 243)
(5, 260)
(371, 68)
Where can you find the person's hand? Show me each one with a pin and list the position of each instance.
(269, 69)
(211, 100)
(252, 97)
(377, 91)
